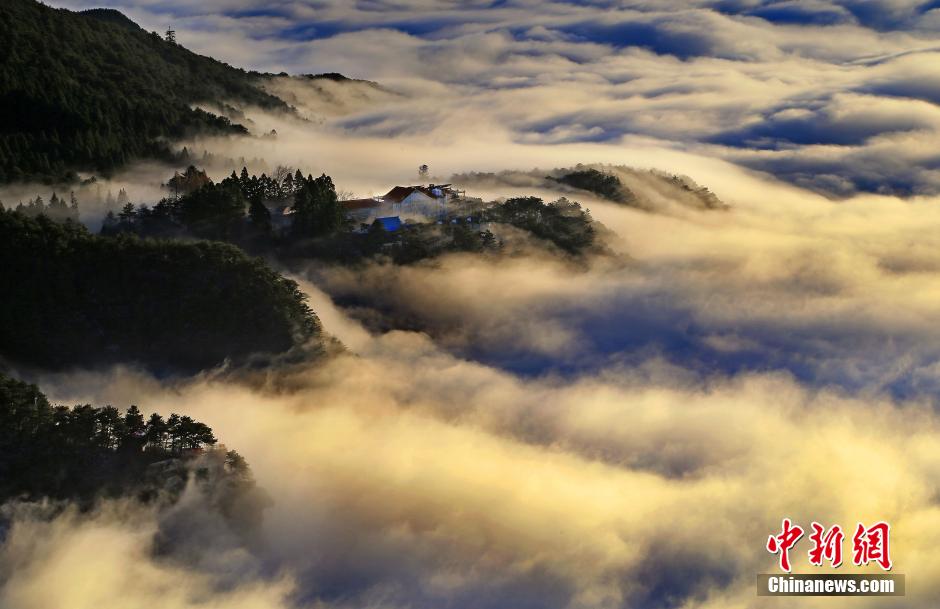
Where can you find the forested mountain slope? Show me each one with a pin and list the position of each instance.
(91, 91)
(84, 453)
(80, 300)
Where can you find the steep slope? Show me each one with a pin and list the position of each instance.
(91, 91)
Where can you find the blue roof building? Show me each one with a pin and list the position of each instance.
(389, 224)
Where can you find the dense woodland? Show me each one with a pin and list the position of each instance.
(57, 209)
(562, 223)
(169, 305)
(92, 90)
(412, 243)
(85, 451)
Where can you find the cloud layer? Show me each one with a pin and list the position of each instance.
(774, 359)
(406, 477)
(831, 95)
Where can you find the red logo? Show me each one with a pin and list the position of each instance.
(782, 543)
(868, 544)
(871, 544)
(826, 547)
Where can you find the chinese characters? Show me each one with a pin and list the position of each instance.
(869, 545)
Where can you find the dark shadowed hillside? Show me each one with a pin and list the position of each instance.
(76, 299)
(91, 91)
(604, 185)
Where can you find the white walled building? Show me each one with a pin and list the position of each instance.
(420, 203)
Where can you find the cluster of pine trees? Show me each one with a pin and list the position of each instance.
(55, 451)
(238, 209)
(57, 209)
(282, 185)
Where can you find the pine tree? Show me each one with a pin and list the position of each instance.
(110, 223)
(73, 207)
(133, 428)
(173, 431)
(156, 432)
(288, 184)
(127, 215)
(260, 216)
(317, 210)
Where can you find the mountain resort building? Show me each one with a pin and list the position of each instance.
(419, 203)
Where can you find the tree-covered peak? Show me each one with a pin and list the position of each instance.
(111, 15)
(91, 91)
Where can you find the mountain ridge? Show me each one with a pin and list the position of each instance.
(91, 91)
(111, 15)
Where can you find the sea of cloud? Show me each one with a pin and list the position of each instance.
(836, 96)
(404, 476)
(422, 469)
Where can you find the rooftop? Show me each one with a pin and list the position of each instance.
(361, 204)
